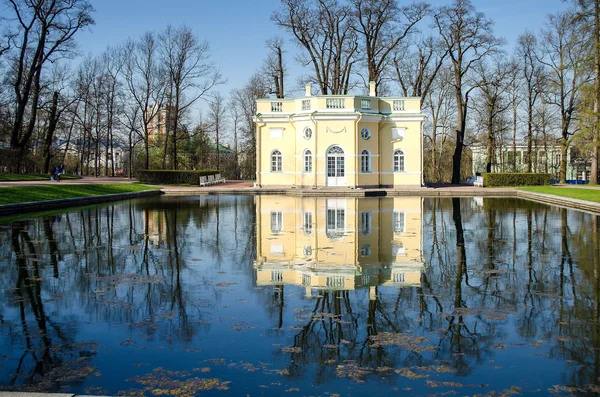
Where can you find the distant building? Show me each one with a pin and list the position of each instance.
(339, 140)
(159, 125)
(546, 159)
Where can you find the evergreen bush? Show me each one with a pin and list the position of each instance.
(515, 179)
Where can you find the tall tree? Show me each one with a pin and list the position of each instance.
(244, 99)
(588, 12)
(416, 70)
(468, 37)
(325, 29)
(564, 54)
(190, 71)
(382, 25)
(274, 66)
(533, 76)
(216, 116)
(495, 81)
(145, 84)
(45, 33)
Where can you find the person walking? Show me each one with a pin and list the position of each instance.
(52, 173)
(59, 171)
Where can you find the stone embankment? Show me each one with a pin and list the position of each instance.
(246, 187)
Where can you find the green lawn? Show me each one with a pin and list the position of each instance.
(575, 193)
(32, 177)
(24, 194)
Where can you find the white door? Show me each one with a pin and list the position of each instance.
(336, 166)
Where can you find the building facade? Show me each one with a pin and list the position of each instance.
(339, 243)
(339, 140)
(545, 159)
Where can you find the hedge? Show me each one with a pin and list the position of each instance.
(168, 177)
(515, 179)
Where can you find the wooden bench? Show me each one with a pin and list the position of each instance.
(478, 181)
(203, 181)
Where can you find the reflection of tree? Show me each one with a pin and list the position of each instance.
(107, 266)
(50, 358)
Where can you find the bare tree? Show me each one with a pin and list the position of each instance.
(326, 31)
(191, 76)
(467, 34)
(145, 83)
(382, 25)
(274, 66)
(495, 81)
(45, 33)
(417, 70)
(438, 102)
(244, 100)
(113, 61)
(216, 116)
(532, 83)
(564, 55)
(236, 117)
(588, 13)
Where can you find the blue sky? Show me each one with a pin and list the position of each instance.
(237, 29)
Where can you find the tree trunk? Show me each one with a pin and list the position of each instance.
(564, 147)
(50, 133)
(596, 130)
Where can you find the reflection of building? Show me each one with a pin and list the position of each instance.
(339, 141)
(339, 243)
(155, 223)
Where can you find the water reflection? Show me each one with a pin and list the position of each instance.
(276, 294)
(339, 244)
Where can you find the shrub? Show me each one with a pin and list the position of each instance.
(515, 179)
(172, 177)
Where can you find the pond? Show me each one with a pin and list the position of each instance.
(268, 295)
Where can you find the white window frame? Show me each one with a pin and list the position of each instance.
(276, 161)
(307, 223)
(366, 222)
(276, 222)
(399, 222)
(365, 104)
(365, 161)
(307, 161)
(399, 161)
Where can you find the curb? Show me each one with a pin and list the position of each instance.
(12, 209)
(582, 205)
(25, 394)
(430, 192)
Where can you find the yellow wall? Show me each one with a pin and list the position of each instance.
(341, 127)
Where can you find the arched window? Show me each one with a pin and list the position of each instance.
(398, 161)
(276, 161)
(307, 161)
(365, 161)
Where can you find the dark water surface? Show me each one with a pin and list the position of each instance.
(271, 295)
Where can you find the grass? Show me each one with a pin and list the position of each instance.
(25, 194)
(575, 193)
(32, 177)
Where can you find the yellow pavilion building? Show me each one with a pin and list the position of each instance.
(340, 140)
(339, 243)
